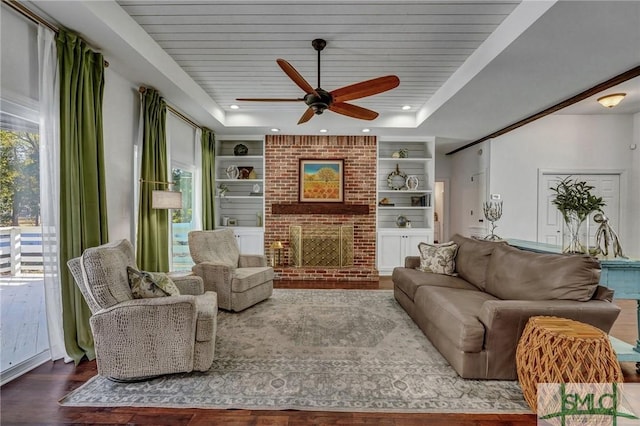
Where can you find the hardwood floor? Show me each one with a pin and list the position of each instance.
(32, 398)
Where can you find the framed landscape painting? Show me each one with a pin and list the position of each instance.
(321, 181)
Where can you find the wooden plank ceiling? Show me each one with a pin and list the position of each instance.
(230, 48)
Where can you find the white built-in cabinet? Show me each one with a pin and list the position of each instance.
(405, 182)
(250, 241)
(241, 207)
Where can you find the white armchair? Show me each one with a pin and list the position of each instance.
(141, 338)
(240, 280)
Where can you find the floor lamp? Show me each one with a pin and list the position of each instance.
(164, 199)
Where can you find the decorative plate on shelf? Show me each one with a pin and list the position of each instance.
(401, 221)
(397, 179)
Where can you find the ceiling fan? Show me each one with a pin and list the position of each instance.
(318, 100)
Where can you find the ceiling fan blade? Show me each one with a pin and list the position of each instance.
(269, 99)
(365, 88)
(296, 77)
(353, 111)
(306, 116)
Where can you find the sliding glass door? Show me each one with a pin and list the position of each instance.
(23, 324)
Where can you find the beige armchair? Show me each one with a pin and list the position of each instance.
(240, 280)
(141, 338)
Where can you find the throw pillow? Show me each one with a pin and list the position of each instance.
(438, 258)
(150, 284)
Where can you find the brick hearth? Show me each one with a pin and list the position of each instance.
(282, 155)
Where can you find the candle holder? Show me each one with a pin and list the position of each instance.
(493, 212)
(276, 253)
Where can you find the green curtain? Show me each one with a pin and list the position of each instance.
(152, 248)
(83, 207)
(208, 179)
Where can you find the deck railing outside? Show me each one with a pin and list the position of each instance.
(21, 249)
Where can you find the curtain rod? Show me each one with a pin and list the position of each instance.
(33, 17)
(180, 115)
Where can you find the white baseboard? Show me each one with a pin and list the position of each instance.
(24, 367)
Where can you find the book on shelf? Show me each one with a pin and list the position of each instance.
(257, 194)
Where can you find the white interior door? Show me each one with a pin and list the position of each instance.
(477, 226)
(606, 186)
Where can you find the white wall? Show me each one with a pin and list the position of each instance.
(120, 120)
(465, 193)
(631, 245)
(563, 142)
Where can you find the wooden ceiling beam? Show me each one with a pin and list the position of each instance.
(621, 78)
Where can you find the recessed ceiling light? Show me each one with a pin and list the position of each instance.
(275, 129)
(365, 130)
(406, 107)
(234, 107)
(323, 130)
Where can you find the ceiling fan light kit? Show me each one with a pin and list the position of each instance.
(318, 100)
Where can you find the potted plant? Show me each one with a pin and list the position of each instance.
(576, 202)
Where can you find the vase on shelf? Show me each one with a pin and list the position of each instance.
(575, 233)
(412, 182)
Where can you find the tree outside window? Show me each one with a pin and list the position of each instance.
(19, 178)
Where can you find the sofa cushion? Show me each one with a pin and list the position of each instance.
(247, 278)
(455, 313)
(473, 258)
(409, 280)
(523, 275)
(438, 258)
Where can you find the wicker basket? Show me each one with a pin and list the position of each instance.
(560, 350)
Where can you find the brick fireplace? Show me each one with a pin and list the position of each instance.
(282, 209)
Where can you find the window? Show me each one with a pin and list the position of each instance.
(182, 221)
(181, 139)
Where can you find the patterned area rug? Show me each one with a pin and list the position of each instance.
(327, 350)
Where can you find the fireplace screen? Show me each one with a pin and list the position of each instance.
(324, 246)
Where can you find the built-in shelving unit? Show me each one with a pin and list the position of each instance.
(405, 182)
(241, 207)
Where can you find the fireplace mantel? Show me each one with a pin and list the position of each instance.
(320, 208)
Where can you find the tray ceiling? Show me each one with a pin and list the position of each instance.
(230, 49)
(466, 68)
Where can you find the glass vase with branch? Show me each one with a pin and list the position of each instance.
(576, 202)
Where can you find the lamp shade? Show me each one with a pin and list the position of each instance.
(611, 100)
(166, 199)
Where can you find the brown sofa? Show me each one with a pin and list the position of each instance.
(476, 318)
